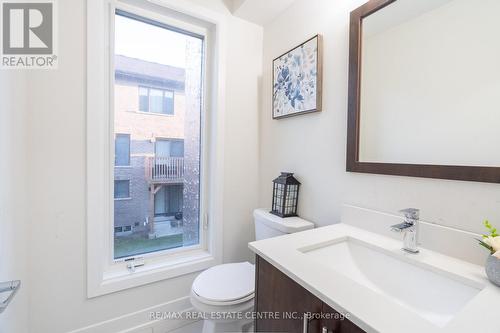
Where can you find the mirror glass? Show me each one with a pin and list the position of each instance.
(430, 83)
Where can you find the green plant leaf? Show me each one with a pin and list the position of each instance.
(491, 229)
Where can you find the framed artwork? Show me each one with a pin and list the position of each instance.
(297, 79)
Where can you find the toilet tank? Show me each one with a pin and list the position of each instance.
(268, 225)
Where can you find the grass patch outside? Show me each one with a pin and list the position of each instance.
(138, 244)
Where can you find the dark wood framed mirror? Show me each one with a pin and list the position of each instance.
(423, 91)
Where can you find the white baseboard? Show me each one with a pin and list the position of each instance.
(141, 321)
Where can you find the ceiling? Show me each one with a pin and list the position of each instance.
(259, 12)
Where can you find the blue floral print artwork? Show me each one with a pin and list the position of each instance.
(295, 85)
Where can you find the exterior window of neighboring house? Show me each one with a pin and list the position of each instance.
(154, 100)
(122, 150)
(165, 209)
(169, 148)
(122, 189)
(123, 229)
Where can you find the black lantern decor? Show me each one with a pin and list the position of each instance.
(285, 195)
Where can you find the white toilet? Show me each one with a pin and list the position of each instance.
(225, 293)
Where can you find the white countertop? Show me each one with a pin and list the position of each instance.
(370, 310)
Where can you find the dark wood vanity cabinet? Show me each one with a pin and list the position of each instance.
(281, 303)
(338, 325)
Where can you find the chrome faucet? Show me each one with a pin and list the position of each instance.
(409, 228)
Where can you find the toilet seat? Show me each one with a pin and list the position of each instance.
(225, 284)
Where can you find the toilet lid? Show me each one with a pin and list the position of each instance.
(226, 283)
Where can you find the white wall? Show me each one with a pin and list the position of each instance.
(241, 165)
(13, 198)
(313, 146)
(56, 156)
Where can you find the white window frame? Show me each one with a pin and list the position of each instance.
(104, 274)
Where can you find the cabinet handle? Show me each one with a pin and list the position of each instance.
(305, 323)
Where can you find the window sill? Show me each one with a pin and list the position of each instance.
(117, 277)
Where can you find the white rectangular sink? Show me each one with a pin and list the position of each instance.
(435, 296)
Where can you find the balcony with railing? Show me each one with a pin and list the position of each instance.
(165, 169)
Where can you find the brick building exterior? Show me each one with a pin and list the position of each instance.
(151, 127)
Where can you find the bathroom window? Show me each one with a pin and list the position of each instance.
(164, 173)
(164, 210)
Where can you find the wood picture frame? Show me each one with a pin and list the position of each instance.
(486, 174)
(306, 96)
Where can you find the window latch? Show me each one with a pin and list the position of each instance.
(133, 263)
